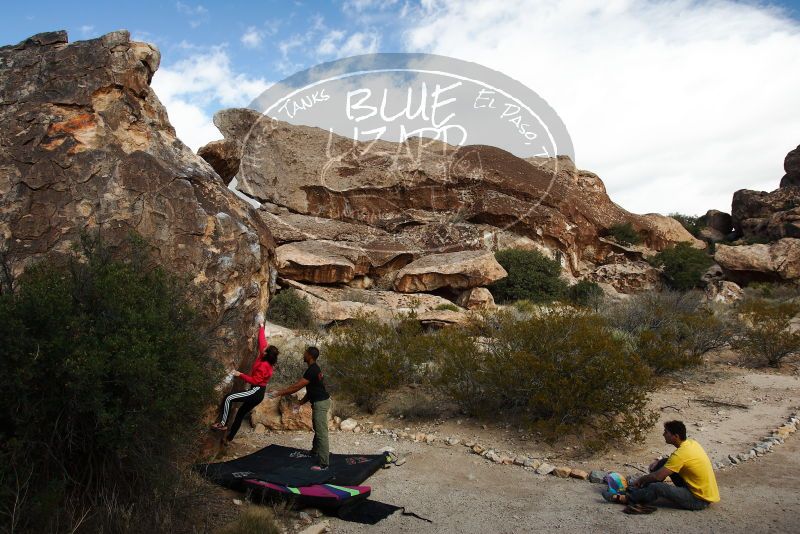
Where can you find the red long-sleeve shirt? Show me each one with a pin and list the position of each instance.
(262, 370)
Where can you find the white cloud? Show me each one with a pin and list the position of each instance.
(675, 104)
(203, 81)
(252, 37)
(196, 15)
(337, 43)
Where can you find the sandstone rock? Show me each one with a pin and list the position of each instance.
(284, 413)
(331, 304)
(666, 231)
(545, 469)
(710, 234)
(223, 158)
(597, 477)
(330, 262)
(579, 474)
(287, 227)
(778, 261)
(628, 277)
(715, 273)
(313, 173)
(494, 457)
(720, 221)
(477, 298)
(771, 216)
(792, 167)
(260, 429)
(477, 449)
(723, 291)
(532, 463)
(85, 143)
(466, 269)
(562, 472)
(348, 425)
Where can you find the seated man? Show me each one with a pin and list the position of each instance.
(695, 486)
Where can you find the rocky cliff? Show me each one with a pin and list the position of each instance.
(85, 145)
(343, 211)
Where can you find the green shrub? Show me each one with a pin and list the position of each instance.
(669, 330)
(106, 378)
(555, 369)
(289, 309)
(692, 223)
(531, 276)
(625, 234)
(585, 293)
(764, 336)
(368, 358)
(683, 266)
(447, 307)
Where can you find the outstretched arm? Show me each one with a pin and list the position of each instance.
(297, 386)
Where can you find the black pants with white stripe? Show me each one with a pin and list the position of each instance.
(249, 399)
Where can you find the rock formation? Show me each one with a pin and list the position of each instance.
(85, 145)
(792, 167)
(761, 262)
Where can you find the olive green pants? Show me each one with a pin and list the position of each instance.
(319, 418)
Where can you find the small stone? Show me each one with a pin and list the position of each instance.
(260, 429)
(305, 518)
(580, 474)
(545, 469)
(477, 449)
(742, 456)
(357, 429)
(597, 477)
(419, 436)
(237, 502)
(519, 460)
(430, 438)
(377, 428)
(453, 441)
(493, 456)
(562, 472)
(506, 460)
(734, 460)
(337, 419)
(348, 425)
(470, 443)
(532, 463)
(401, 461)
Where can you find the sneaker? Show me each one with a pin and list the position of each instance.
(319, 468)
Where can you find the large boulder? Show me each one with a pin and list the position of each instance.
(397, 186)
(767, 216)
(331, 262)
(85, 145)
(223, 156)
(774, 261)
(477, 298)
(627, 277)
(455, 270)
(792, 167)
(334, 304)
(288, 227)
(719, 221)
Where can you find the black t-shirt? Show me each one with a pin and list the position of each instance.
(316, 385)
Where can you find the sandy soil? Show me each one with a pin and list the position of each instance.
(462, 492)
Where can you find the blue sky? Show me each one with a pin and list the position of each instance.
(674, 103)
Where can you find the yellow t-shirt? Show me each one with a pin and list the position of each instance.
(691, 462)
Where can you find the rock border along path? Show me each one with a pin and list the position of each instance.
(541, 466)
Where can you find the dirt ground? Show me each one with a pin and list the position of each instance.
(462, 492)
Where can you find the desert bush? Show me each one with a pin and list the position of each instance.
(106, 378)
(773, 290)
(253, 520)
(447, 307)
(585, 293)
(692, 223)
(289, 309)
(417, 407)
(625, 234)
(531, 276)
(764, 334)
(683, 266)
(555, 369)
(669, 330)
(367, 358)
